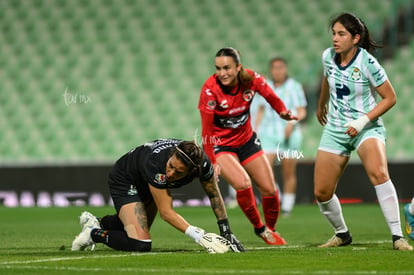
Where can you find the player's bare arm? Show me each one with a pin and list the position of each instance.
(163, 200)
(323, 102)
(217, 204)
(216, 200)
(389, 99)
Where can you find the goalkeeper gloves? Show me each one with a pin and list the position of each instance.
(213, 243)
(225, 232)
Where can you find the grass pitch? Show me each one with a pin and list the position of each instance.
(37, 241)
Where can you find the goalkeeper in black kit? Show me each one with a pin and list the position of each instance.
(139, 185)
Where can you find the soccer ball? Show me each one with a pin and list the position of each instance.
(214, 243)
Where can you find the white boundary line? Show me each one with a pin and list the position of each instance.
(82, 257)
(9, 264)
(203, 271)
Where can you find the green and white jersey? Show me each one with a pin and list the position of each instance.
(292, 94)
(351, 88)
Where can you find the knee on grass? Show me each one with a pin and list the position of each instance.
(139, 245)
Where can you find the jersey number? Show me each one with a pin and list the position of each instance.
(342, 91)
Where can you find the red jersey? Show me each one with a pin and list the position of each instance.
(225, 115)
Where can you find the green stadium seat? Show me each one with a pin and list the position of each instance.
(143, 64)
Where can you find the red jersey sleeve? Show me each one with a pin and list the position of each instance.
(207, 104)
(264, 90)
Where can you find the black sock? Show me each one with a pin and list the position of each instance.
(396, 238)
(99, 235)
(260, 230)
(119, 240)
(344, 235)
(111, 222)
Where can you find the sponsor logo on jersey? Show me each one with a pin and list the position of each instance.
(224, 104)
(356, 74)
(236, 110)
(212, 104)
(132, 190)
(248, 95)
(160, 179)
(231, 122)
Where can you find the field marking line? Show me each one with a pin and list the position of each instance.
(203, 271)
(70, 258)
(82, 257)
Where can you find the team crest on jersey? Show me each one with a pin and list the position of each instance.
(132, 190)
(248, 95)
(160, 179)
(212, 104)
(356, 74)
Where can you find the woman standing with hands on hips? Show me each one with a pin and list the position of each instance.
(348, 109)
(230, 142)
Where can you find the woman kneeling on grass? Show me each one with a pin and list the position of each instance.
(139, 184)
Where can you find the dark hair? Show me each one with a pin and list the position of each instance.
(277, 59)
(356, 25)
(243, 76)
(189, 153)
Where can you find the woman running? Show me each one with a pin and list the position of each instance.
(230, 142)
(352, 79)
(139, 185)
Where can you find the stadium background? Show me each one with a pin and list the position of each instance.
(82, 82)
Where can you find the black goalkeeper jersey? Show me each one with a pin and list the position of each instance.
(146, 164)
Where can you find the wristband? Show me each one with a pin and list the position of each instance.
(194, 233)
(358, 124)
(224, 226)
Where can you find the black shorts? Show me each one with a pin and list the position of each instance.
(246, 153)
(124, 189)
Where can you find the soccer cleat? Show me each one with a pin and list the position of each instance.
(272, 238)
(84, 239)
(336, 241)
(409, 222)
(402, 244)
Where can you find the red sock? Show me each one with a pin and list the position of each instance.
(271, 208)
(247, 203)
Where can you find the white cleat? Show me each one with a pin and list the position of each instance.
(402, 244)
(336, 241)
(84, 239)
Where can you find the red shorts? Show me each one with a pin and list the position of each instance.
(246, 152)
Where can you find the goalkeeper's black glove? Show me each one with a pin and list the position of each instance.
(225, 232)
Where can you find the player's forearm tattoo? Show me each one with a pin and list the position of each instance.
(217, 204)
(141, 215)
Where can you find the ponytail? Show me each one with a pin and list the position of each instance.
(244, 76)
